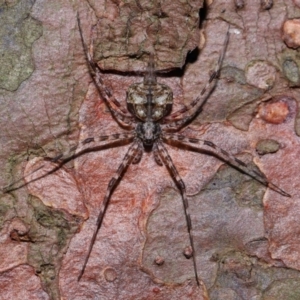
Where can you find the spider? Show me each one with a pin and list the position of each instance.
(150, 125)
(149, 103)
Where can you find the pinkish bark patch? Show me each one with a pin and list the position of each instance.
(67, 197)
(261, 74)
(291, 33)
(21, 283)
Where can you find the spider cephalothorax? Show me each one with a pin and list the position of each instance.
(148, 132)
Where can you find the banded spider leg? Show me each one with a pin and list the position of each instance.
(129, 156)
(94, 143)
(114, 106)
(210, 147)
(171, 167)
(181, 117)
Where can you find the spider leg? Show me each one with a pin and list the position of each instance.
(112, 103)
(171, 167)
(133, 149)
(89, 55)
(184, 113)
(139, 153)
(156, 155)
(68, 155)
(225, 156)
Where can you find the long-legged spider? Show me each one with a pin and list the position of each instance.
(149, 103)
(150, 125)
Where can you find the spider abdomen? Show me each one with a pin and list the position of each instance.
(161, 100)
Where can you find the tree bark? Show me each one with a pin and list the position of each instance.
(246, 236)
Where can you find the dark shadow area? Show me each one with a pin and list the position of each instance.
(203, 12)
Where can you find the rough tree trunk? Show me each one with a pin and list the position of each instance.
(247, 237)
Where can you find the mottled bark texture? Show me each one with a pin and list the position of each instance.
(247, 237)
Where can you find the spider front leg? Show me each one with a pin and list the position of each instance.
(171, 167)
(128, 158)
(156, 155)
(222, 154)
(112, 103)
(185, 114)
